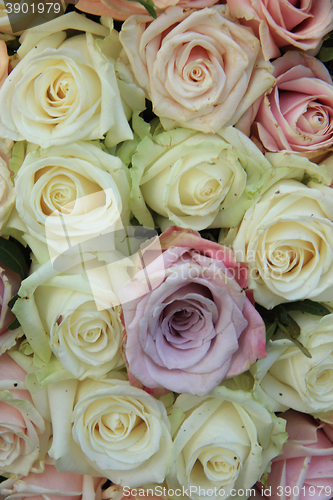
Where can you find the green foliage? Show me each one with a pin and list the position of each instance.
(279, 318)
(12, 257)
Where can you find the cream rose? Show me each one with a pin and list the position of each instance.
(85, 340)
(65, 314)
(7, 193)
(109, 428)
(224, 445)
(287, 239)
(63, 90)
(71, 193)
(201, 69)
(288, 379)
(196, 180)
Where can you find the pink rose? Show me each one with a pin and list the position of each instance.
(201, 69)
(53, 485)
(304, 471)
(24, 429)
(281, 23)
(123, 9)
(297, 114)
(195, 325)
(9, 285)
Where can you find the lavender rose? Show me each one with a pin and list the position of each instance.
(196, 325)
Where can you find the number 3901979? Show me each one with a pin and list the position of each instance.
(312, 491)
(33, 8)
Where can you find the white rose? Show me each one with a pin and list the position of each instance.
(85, 340)
(197, 180)
(87, 187)
(67, 315)
(111, 429)
(61, 90)
(224, 444)
(287, 239)
(7, 193)
(288, 379)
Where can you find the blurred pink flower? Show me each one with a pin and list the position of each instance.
(53, 485)
(281, 23)
(4, 62)
(122, 9)
(304, 471)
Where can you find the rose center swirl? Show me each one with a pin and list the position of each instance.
(62, 90)
(219, 464)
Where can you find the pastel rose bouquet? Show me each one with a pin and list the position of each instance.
(166, 249)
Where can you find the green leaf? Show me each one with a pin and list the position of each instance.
(307, 306)
(149, 6)
(12, 301)
(11, 257)
(15, 324)
(281, 314)
(293, 328)
(326, 54)
(270, 331)
(294, 340)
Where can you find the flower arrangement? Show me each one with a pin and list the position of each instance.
(166, 250)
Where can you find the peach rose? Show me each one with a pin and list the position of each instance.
(4, 62)
(281, 23)
(201, 69)
(123, 9)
